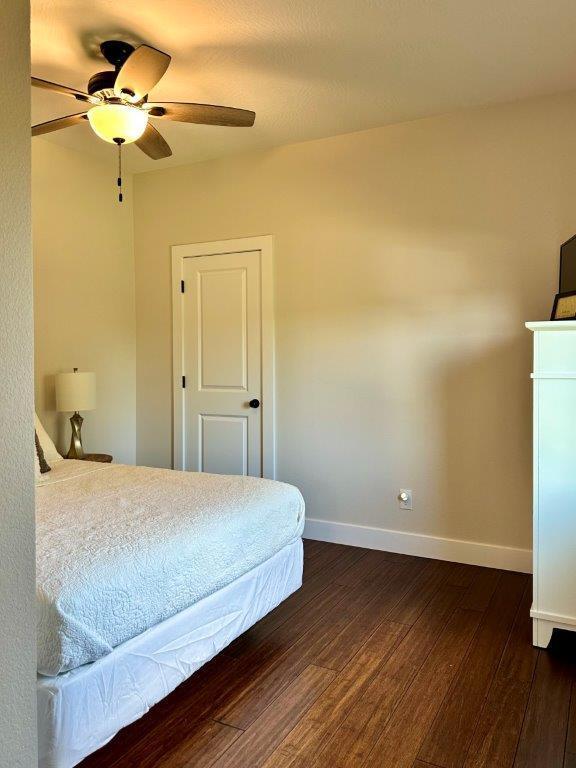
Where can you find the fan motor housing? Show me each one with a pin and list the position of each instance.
(102, 82)
(116, 51)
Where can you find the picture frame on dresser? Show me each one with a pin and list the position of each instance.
(564, 306)
(567, 276)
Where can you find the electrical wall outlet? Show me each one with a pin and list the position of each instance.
(405, 498)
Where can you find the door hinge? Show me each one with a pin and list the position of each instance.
(182, 286)
(183, 382)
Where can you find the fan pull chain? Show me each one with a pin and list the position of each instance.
(119, 142)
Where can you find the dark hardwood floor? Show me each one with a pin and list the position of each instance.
(380, 660)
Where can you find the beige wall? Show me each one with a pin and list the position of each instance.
(84, 293)
(407, 260)
(17, 567)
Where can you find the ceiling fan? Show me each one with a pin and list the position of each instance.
(117, 108)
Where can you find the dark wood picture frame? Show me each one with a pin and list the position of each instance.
(557, 299)
(563, 255)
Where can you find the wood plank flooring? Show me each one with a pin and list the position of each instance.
(379, 661)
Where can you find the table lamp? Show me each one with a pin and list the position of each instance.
(75, 392)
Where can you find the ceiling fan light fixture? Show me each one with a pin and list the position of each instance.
(118, 108)
(113, 122)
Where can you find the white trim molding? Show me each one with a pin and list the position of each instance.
(554, 375)
(264, 244)
(552, 325)
(421, 545)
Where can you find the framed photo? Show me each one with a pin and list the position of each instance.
(568, 266)
(564, 306)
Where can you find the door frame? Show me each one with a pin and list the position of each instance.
(264, 244)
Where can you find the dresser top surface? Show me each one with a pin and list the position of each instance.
(552, 325)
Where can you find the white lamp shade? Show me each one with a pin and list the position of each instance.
(118, 121)
(75, 391)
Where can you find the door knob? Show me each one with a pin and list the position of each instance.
(254, 403)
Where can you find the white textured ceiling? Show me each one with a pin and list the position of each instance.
(309, 68)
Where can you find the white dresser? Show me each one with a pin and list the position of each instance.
(554, 375)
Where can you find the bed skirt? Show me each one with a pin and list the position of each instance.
(81, 710)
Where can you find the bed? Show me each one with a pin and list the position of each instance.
(143, 576)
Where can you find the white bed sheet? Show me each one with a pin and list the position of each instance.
(81, 710)
(122, 548)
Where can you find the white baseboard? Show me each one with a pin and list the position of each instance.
(454, 550)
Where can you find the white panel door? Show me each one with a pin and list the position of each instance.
(221, 362)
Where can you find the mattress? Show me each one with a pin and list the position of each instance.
(81, 710)
(122, 548)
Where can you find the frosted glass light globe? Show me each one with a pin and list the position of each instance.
(118, 121)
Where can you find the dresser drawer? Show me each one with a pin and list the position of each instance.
(555, 530)
(555, 352)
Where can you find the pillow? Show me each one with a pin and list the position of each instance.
(50, 453)
(42, 463)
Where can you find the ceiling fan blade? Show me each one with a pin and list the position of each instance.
(205, 114)
(141, 72)
(60, 122)
(48, 86)
(153, 144)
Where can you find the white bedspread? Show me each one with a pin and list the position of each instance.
(121, 548)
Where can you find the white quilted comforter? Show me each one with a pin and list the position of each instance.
(121, 548)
